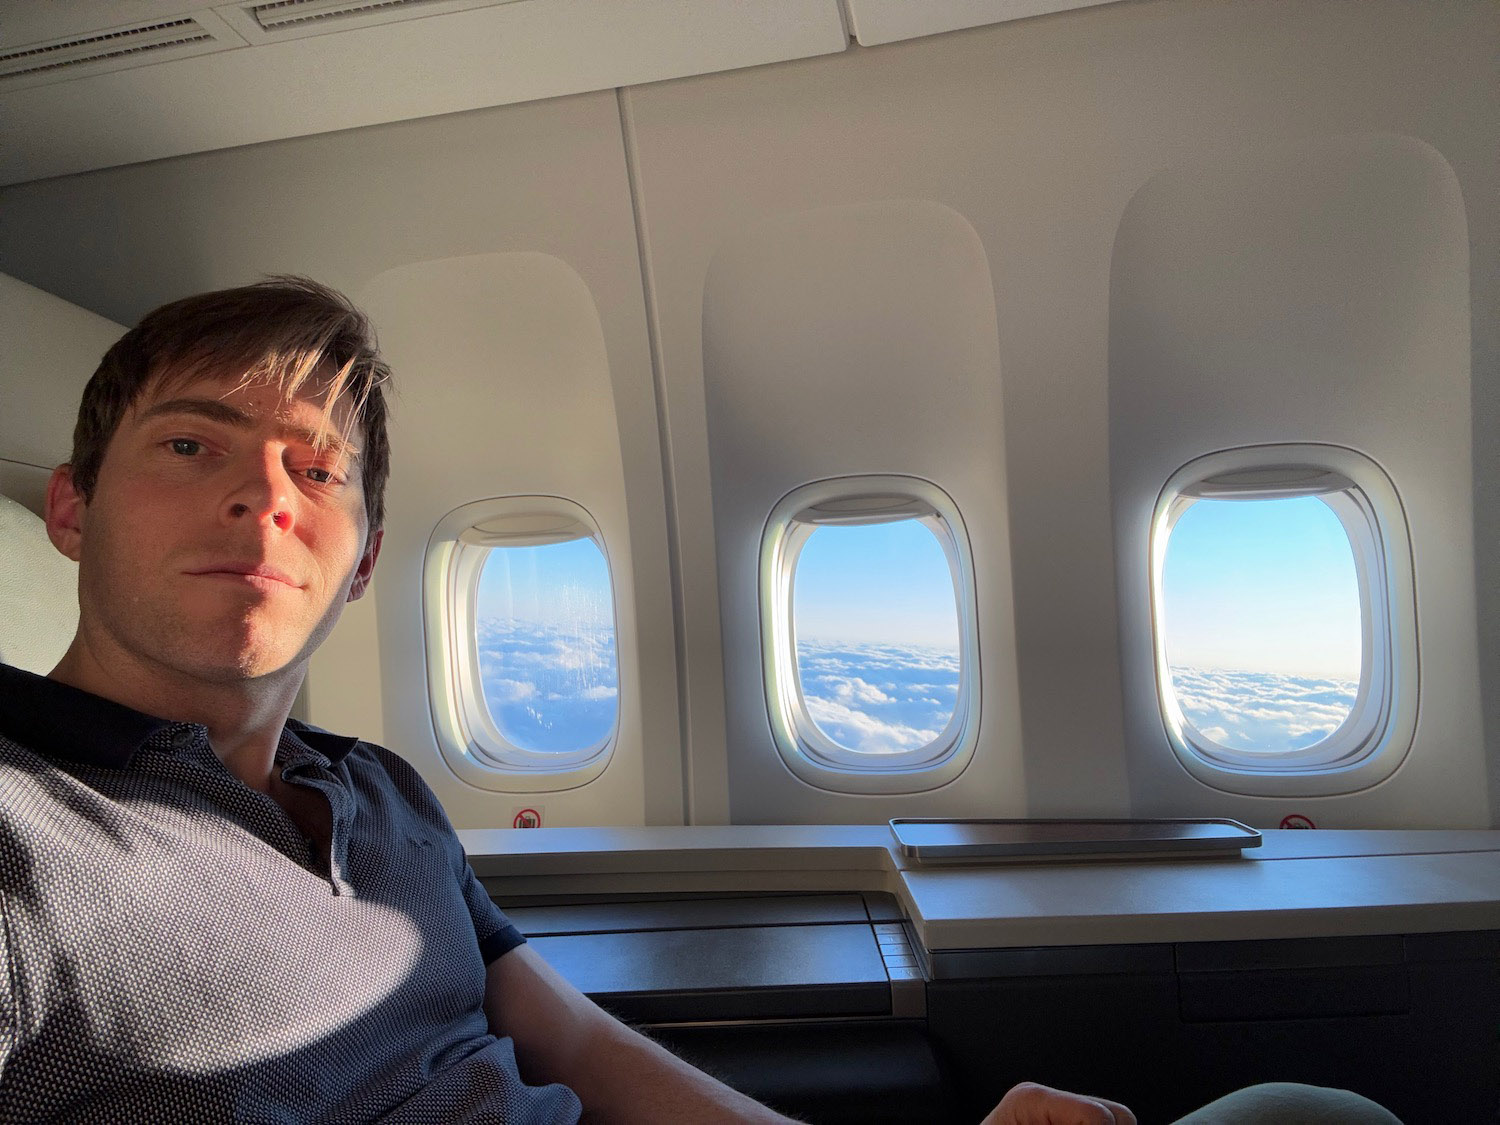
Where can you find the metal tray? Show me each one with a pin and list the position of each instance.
(936, 840)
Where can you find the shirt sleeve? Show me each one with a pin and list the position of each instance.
(495, 933)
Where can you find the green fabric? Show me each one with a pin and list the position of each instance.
(1287, 1103)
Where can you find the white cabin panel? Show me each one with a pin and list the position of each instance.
(854, 341)
(525, 325)
(873, 22)
(1317, 292)
(1039, 133)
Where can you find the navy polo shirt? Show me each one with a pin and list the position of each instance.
(176, 951)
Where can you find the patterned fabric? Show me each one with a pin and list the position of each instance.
(176, 951)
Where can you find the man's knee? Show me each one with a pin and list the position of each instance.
(1290, 1103)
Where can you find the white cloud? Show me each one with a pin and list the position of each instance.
(857, 690)
(509, 691)
(1262, 711)
(865, 733)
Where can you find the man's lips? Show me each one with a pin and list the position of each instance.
(256, 574)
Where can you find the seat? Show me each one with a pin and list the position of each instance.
(38, 592)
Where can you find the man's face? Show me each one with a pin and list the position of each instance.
(221, 541)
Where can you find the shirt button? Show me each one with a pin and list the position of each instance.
(184, 739)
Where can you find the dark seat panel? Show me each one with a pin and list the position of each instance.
(752, 972)
(682, 914)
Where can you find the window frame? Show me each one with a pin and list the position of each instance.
(470, 741)
(1377, 734)
(803, 747)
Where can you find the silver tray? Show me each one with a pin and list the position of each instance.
(938, 839)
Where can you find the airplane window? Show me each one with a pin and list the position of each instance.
(877, 636)
(1284, 620)
(868, 635)
(1263, 630)
(522, 653)
(546, 644)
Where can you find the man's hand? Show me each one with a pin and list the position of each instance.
(1033, 1104)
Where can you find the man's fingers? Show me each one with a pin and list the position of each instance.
(1031, 1103)
(1122, 1115)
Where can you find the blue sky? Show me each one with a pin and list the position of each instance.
(555, 583)
(1261, 612)
(1262, 586)
(882, 583)
(1253, 585)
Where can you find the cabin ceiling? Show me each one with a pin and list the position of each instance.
(97, 83)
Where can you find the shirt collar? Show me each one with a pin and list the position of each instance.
(334, 747)
(70, 724)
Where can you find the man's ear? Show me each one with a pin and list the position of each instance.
(366, 568)
(65, 511)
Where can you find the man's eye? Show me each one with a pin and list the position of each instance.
(187, 447)
(321, 476)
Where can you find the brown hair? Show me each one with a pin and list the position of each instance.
(279, 331)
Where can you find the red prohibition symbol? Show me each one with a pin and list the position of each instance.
(527, 818)
(1297, 820)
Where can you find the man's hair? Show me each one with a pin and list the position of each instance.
(280, 332)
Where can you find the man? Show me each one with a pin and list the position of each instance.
(212, 911)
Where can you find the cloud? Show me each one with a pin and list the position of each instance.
(508, 691)
(856, 690)
(1264, 712)
(860, 731)
(817, 655)
(549, 688)
(878, 699)
(874, 699)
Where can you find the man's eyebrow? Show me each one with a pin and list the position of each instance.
(327, 438)
(209, 408)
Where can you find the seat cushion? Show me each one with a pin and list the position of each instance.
(38, 592)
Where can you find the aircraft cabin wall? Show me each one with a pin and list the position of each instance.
(1002, 283)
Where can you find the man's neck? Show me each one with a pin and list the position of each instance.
(244, 717)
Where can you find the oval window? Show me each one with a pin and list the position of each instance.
(867, 622)
(1284, 620)
(522, 654)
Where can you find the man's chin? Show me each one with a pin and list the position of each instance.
(242, 665)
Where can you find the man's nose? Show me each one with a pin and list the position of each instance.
(263, 493)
